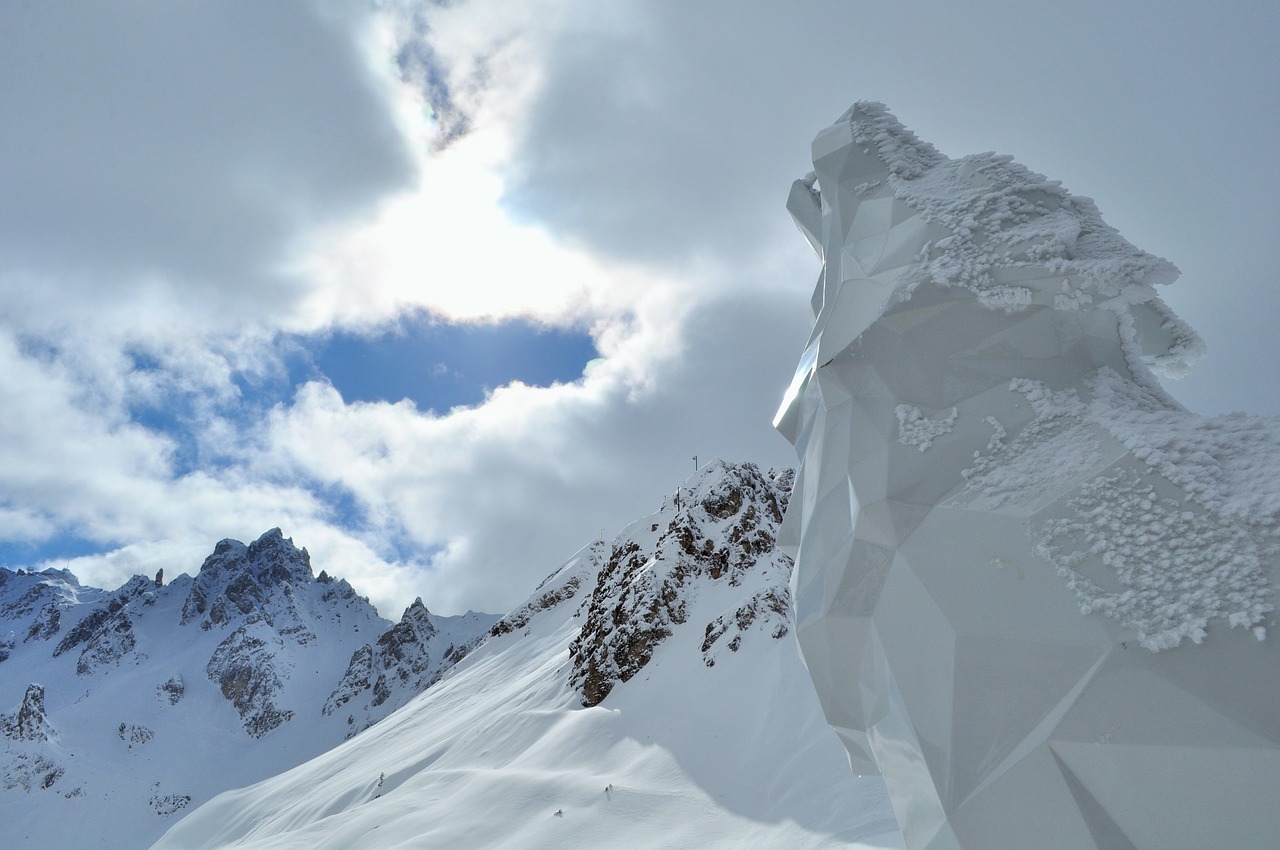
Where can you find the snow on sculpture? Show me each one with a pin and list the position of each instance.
(1031, 589)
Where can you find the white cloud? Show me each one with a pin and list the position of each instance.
(514, 485)
(183, 184)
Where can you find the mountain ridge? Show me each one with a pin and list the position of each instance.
(155, 696)
(646, 694)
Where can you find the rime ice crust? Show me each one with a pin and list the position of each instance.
(1030, 588)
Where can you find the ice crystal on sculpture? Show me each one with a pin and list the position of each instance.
(1031, 589)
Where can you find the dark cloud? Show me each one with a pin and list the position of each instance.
(420, 66)
(183, 142)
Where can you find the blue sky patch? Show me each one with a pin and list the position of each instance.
(439, 366)
(60, 547)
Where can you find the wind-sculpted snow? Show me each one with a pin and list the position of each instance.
(1030, 588)
(715, 742)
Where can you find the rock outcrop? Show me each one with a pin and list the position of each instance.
(28, 762)
(237, 580)
(105, 635)
(29, 722)
(404, 661)
(717, 532)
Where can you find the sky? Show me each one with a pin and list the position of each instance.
(447, 290)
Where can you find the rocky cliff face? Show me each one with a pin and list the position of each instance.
(240, 580)
(105, 635)
(404, 661)
(717, 532)
(32, 604)
(180, 691)
(266, 590)
(29, 762)
(28, 722)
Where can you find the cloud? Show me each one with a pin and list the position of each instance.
(502, 492)
(181, 147)
(185, 186)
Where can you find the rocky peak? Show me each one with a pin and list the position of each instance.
(105, 635)
(720, 489)
(237, 579)
(29, 722)
(405, 660)
(274, 559)
(28, 760)
(33, 603)
(417, 618)
(719, 527)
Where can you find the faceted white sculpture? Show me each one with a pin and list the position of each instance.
(1031, 589)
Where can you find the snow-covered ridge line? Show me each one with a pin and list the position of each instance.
(713, 739)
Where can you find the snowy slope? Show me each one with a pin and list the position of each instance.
(153, 698)
(648, 694)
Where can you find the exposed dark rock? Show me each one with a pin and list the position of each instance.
(50, 777)
(520, 617)
(47, 622)
(29, 771)
(135, 736)
(236, 579)
(719, 530)
(106, 632)
(29, 722)
(629, 615)
(109, 644)
(402, 652)
(244, 667)
(27, 602)
(769, 608)
(357, 679)
(37, 598)
(88, 626)
(165, 805)
(173, 689)
(404, 661)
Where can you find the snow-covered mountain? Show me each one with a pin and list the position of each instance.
(119, 710)
(648, 694)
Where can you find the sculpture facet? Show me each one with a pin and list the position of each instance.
(1032, 591)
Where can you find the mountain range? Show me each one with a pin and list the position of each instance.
(131, 706)
(648, 693)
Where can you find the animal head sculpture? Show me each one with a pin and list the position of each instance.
(1002, 588)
